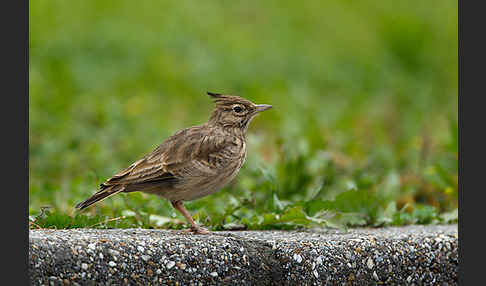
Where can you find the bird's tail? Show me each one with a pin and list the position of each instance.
(100, 195)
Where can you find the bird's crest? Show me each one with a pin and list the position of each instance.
(215, 95)
(225, 99)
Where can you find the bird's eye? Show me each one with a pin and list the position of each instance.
(237, 109)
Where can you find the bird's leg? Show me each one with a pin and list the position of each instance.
(179, 205)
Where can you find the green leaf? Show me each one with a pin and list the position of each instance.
(295, 215)
(425, 214)
(385, 216)
(450, 217)
(274, 204)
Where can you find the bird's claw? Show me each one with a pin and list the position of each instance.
(194, 230)
(199, 230)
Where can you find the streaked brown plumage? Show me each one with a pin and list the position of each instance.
(192, 163)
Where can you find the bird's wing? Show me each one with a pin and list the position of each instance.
(186, 153)
(196, 153)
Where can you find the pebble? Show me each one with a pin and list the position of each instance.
(170, 264)
(84, 266)
(113, 252)
(214, 274)
(181, 266)
(370, 263)
(112, 264)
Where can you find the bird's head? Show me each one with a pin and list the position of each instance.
(234, 111)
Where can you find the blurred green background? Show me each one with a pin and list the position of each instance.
(363, 129)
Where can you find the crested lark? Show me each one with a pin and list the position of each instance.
(192, 163)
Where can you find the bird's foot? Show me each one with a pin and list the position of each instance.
(194, 230)
(199, 230)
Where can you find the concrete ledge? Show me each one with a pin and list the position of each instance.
(402, 255)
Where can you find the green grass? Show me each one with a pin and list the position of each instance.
(363, 129)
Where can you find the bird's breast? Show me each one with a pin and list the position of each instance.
(226, 164)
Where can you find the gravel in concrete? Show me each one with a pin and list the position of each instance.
(412, 255)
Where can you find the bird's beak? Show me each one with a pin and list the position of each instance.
(262, 107)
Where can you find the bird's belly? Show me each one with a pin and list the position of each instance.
(207, 188)
(204, 186)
